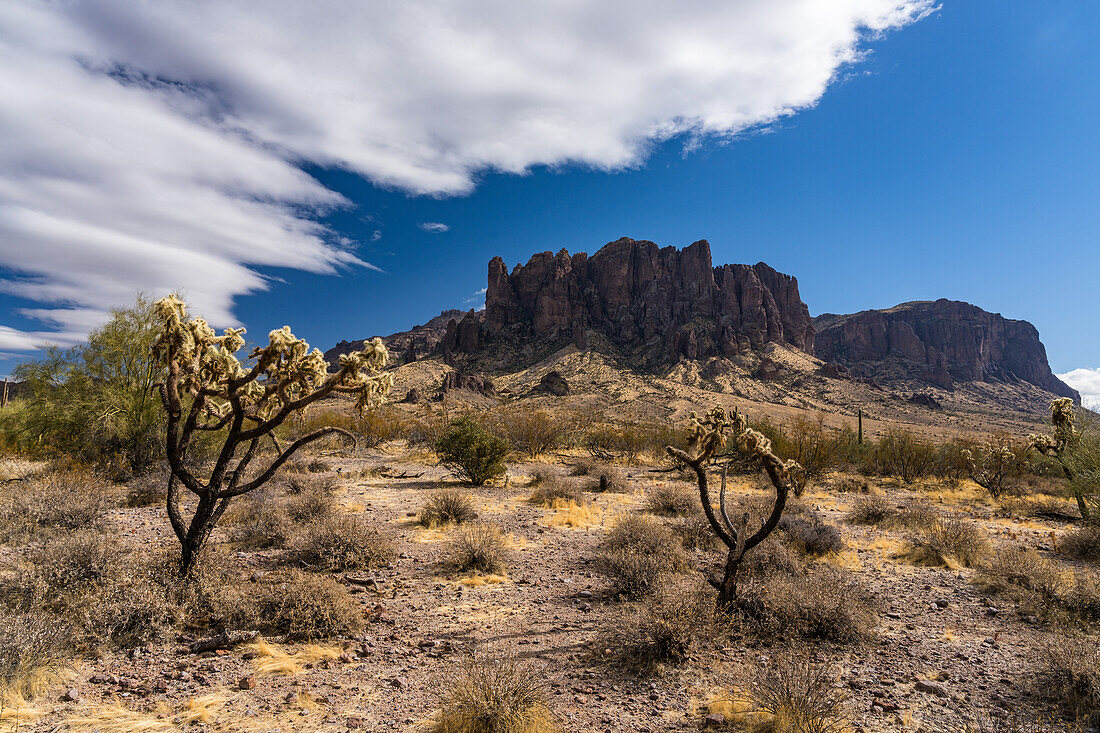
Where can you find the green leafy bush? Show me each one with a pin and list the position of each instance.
(472, 451)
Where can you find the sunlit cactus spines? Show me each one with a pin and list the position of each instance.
(208, 381)
(707, 436)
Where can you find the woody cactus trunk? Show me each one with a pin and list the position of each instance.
(208, 389)
(708, 437)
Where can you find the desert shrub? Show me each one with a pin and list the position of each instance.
(96, 400)
(306, 606)
(815, 446)
(105, 594)
(951, 464)
(1081, 598)
(260, 520)
(873, 509)
(900, 453)
(479, 547)
(637, 553)
(825, 603)
(1082, 543)
(1021, 569)
(148, 489)
(447, 506)
(608, 479)
(341, 542)
(65, 496)
(472, 451)
(672, 500)
(662, 630)
(371, 427)
(586, 467)
(695, 533)
(311, 497)
(948, 543)
(798, 696)
(34, 648)
(810, 534)
(494, 695)
(631, 440)
(850, 485)
(531, 432)
(1069, 670)
(554, 489)
(214, 594)
(996, 465)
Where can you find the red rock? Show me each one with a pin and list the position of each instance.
(246, 683)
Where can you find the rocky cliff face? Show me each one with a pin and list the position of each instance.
(940, 342)
(406, 346)
(659, 303)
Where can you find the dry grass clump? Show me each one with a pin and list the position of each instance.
(662, 630)
(447, 506)
(948, 543)
(63, 497)
(603, 478)
(105, 595)
(148, 490)
(850, 485)
(532, 432)
(479, 547)
(311, 498)
(343, 542)
(794, 695)
(778, 599)
(695, 533)
(259, 520)
(883, 512)
(33, 651)
(494, 695)
(672, 500)
(809, 534)
(1069, 670)
(637, 554)
(1021, 570)
(552, 489)
(1082, 543)
(586, 467)
(304, 606)
(305, 483)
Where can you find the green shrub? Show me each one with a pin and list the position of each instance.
(95, 401)
(472, 451)
(532, 432)
(901, 454)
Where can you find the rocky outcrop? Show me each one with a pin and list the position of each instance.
(938, 342)
(405, 346)
(661, 302)
(554, 383)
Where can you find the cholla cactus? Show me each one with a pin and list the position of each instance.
(247, 401)
(707, 438)
(1062, 445)
(993, 467)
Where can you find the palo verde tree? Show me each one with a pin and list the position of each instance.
(208, 389)
(707, 438)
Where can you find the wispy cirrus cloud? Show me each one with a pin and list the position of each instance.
(434, 227)
(157, 146)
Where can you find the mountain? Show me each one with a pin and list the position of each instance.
(656, 304)
(405, 346)
(940, 342)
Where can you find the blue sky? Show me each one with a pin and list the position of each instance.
(957, 157)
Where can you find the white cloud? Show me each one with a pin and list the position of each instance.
(1087, 382)
(478, 298)
(153, 146)
(376, 235)
(434, 227)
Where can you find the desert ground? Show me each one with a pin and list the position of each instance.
(881, 604)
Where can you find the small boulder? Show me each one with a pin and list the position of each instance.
(554, 383)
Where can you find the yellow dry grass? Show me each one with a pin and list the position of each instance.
(573, 515)
(16, 713)
(117, 718)
(475, 580)
(272, 659)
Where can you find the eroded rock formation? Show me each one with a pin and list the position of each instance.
(941, 342)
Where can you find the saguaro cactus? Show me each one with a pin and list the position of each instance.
(708, 436)
(209, 389)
